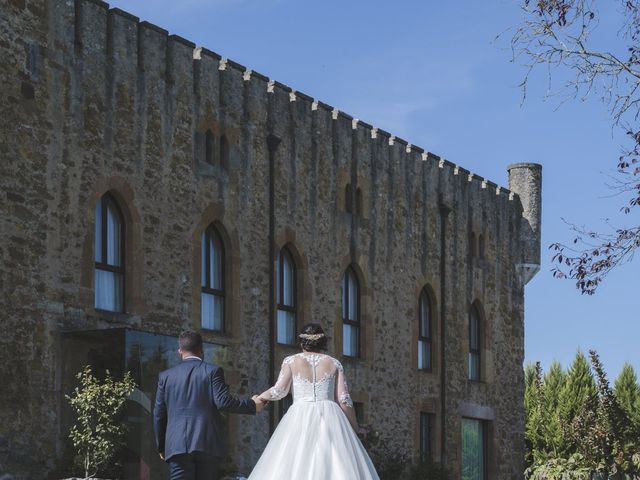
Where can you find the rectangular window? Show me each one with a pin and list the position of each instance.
(425, 436)
(350, 338)
(212, 311)
(474, 452)
(286, 327)
(474, 366)
(108, 290)
(424, 332)
(424, 355)
(286, 298)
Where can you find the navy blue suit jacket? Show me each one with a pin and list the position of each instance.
(186, 415)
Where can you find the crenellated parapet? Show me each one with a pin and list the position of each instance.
(142, 61)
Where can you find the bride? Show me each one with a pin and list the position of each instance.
(316, 439)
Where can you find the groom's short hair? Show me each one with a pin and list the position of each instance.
(190, 341)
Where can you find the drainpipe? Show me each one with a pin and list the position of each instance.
(272, 145)
(444, 213)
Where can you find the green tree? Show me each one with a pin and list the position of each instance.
(627, 392)
(98, 433)
(578, 388)
(535, 441)
(553, 381)
(610, 438)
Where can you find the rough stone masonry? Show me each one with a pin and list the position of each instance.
(93, 101)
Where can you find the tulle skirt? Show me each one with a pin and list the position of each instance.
(314, 441)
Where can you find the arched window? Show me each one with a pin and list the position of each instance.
(424, 331)
(348, 199)
(474, 343)
(212, 281)
(109, 255)
(359, 202)
(208, 147)
(224, 151)
(481, 246)
(350, 314)
(286, 298)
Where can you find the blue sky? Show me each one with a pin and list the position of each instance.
(432, 73)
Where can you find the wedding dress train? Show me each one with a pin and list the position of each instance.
(314, 439)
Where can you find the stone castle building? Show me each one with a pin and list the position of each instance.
(148, 186)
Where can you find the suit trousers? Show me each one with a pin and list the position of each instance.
(194, 466)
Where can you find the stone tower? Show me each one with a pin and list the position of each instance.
(525, 179)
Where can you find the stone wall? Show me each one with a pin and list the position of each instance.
(93, 100)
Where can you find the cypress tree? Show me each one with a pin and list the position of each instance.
(533, 404)
(578, 391)
(627, 392)
(554, 381)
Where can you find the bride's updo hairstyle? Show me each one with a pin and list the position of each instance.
(312, 338)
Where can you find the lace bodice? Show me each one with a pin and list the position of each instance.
(312, 377)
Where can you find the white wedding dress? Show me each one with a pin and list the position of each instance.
(314, 439)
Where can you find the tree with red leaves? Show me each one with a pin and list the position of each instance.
(558, 34)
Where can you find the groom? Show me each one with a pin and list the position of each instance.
(186, 417)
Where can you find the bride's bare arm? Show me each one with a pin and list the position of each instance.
(282, 386)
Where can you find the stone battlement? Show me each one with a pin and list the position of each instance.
(136, 49)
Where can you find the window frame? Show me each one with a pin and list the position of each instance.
(484, 435)
(357, 324)
(429, 337)
(107, 200)
(208, 233)
(280, 305)
(426, 454)
(477, 351)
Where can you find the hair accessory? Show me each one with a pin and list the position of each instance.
(308, 336)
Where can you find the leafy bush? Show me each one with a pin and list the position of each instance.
(98, 433)
(577, 427)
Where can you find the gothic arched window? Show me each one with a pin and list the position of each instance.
(424, 331)
(212, 295)
(475, 342)
(109, 255)
(350, 314)
(286, 298)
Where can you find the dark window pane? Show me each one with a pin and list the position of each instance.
(425, 315)
(286, 327)
(353, 297)
(108, 290)
(114, 236)
(212, 311)
(473, 329)
(424, 355)
(474, 366)
(350, 340)
(287, 280)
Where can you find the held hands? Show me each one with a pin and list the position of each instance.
(260, 402)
